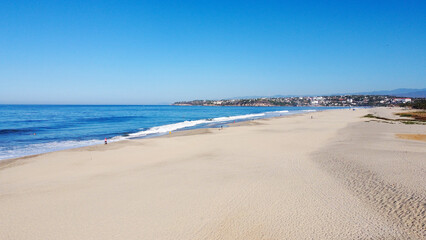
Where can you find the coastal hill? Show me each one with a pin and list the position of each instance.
(375, 98)
(338, 101)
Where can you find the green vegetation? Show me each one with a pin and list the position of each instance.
(419, 118)
(376, 117)
(416, 104)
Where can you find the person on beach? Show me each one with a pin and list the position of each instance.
(106, 142)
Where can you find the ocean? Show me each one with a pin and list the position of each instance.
(34, 129)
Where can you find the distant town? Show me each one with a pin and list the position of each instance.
(326, 101)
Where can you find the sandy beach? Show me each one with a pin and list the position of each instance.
(322, 175)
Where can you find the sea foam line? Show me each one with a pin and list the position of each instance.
(186, 124)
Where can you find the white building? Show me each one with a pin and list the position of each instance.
(402, 100)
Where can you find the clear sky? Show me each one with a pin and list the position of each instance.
(149, 52)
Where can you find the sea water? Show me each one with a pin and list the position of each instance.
(33, 129)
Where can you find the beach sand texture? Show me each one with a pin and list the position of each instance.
(335, 176)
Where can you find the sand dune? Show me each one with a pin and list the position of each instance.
(388, 174)
(334, 176)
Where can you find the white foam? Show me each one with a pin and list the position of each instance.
(277, 112)
(39, 148)
(186, 124)
(225, 119)
(166, 128)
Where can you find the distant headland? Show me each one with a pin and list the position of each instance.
(326, 101)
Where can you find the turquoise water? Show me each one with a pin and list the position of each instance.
(33, 129)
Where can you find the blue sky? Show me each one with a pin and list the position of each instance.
(150, 52)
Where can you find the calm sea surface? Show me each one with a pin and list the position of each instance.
(34, 129)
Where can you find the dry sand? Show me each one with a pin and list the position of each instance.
(335, 176)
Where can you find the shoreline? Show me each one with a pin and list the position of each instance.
(275, 178)
(2, 161)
